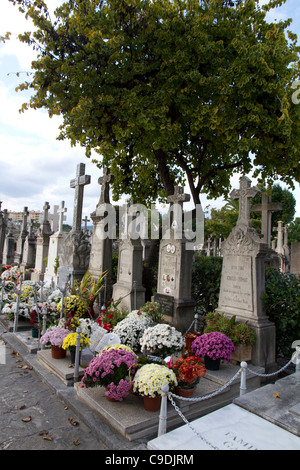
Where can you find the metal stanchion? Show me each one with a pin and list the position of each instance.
(77, 354)
(162, 426)
(243, 385)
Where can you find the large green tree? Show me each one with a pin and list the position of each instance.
(161, 90)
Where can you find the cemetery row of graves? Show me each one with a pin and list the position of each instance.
(132, 346)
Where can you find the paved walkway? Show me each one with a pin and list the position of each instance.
(39, 412)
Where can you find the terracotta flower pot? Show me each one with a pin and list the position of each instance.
(152, 403)
(184, 392)
(57, 352)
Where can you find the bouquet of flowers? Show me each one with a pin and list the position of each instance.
(70, 341)
(130, 332)
(110, 316)
(188, 371)
(214, 345)
(12, 273)
(162, 340)
(150, 378)
(153, 312)
(110, 369)
(55, 336)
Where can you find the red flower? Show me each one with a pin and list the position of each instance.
(110, 315)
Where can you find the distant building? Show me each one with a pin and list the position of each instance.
(17, 217)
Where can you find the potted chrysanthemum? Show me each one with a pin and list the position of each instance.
(161, 340)
(70, 344)
(130, 331)
(55, 338)
(110, 369)
(148, 382)
(188, 371)
(213, 347)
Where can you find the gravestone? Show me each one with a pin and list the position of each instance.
(243, 278)
(42, 246)
(129, 286)
(3, 227)
(266, 208)
(74, 258)
(21, 239)
(282, 248)
(55, 247)
(104, 221)
(29, 254)
(9, 249)
(295, 258)
(174, 279)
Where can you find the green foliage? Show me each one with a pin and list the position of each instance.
(239, 333)
(206, 277)
(282, 306)
(163, 89)
(294, 235)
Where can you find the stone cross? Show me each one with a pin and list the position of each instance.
(266, 208)
(78, 183)
(176, 201)
(46, 211)
(24, 223)
(104, 181)
(244, 194)
(61, 212)
(85, 220)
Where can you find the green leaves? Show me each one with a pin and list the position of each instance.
(169, 89)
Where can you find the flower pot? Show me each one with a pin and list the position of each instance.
(243, 352)
(73, 355)
(57, 352)
(152, 403)
(211, 364)
(34, 332)
(184, 392)
(189, 338)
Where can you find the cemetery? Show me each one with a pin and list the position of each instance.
(213, 378)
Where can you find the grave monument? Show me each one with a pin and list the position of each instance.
(55, 247)
(74, 258)
(29, 254)
(104, 222)
(129, 286)
(243, 278)
(174, 278)
(42, 246)
(18, 256)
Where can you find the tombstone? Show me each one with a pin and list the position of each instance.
(42, 246)
(74, 258)
(174, 278)
(55, 247)
(29, 254)
(295, 258)
(243, 278)
(9, 249)
(266, 208)
(282, 248)
(129, 286)
(3, 227)
(104, 221)
(18, 256)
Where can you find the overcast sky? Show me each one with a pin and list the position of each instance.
(34, 166)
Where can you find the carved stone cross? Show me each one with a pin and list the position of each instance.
(266, 208)
(104, 181)
(46, 211)
(176, 202)
(244, 194)
(61, 212)
(78, 183)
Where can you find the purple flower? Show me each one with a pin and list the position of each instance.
(215, 345)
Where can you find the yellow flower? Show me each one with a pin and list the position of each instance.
(70, 341)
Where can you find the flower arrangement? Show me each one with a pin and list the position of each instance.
(130, 332)
(110, 316)
(87, 326)
(150, 378)
(153, 312)
(12, 273)
(239, 333)
(72, 305)
(110, 369)
(70, 341)
(10, 308)
(215, 345)
(161, 340)
(188, 371)
(55, 336)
